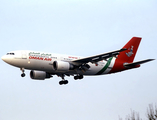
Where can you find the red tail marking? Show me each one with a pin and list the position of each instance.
(126, 56)
(131, 46)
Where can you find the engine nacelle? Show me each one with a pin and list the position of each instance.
(62, 66)
(39, 75)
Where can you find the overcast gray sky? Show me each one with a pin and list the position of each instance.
(84, 28)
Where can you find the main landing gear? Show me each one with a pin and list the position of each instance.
(78, 77)
(23, 74)
(63, 81)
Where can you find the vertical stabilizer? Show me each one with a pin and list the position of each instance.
(132, 47)
(126, 56)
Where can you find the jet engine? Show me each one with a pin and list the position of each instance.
(39, 75)
(62, 66)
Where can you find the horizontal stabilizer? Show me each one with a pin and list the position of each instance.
(136, 63)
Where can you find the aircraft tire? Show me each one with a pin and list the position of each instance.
(76, 77)
(81, 77)
(23, 75)
(63, 82)
(66, 82)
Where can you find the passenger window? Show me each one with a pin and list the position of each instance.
(10, 53)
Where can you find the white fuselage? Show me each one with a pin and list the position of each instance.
(43, 61)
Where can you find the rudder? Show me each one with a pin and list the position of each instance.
(132, 47)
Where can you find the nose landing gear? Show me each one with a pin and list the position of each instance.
(23, 74)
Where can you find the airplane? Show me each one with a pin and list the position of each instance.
(44, 65)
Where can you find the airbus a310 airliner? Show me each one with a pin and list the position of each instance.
(45, 65)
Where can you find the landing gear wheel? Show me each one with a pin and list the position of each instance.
(66, 82)
(81, 77)
(63, 82)
(78, 77)
(23, 75)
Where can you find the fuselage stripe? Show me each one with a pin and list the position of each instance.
(105, 67)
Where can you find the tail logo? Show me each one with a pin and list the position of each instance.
(129, 54)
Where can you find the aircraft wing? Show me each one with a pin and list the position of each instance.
(97, 58)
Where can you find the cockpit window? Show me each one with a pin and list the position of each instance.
(10, 53)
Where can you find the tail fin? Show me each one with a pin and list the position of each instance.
(132, 46)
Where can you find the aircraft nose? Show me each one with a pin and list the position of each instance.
(3, 58)
(8, 59)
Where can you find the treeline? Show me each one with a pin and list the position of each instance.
(151, 114)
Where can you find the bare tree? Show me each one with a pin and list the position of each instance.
(151, 112)
(133, 116)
